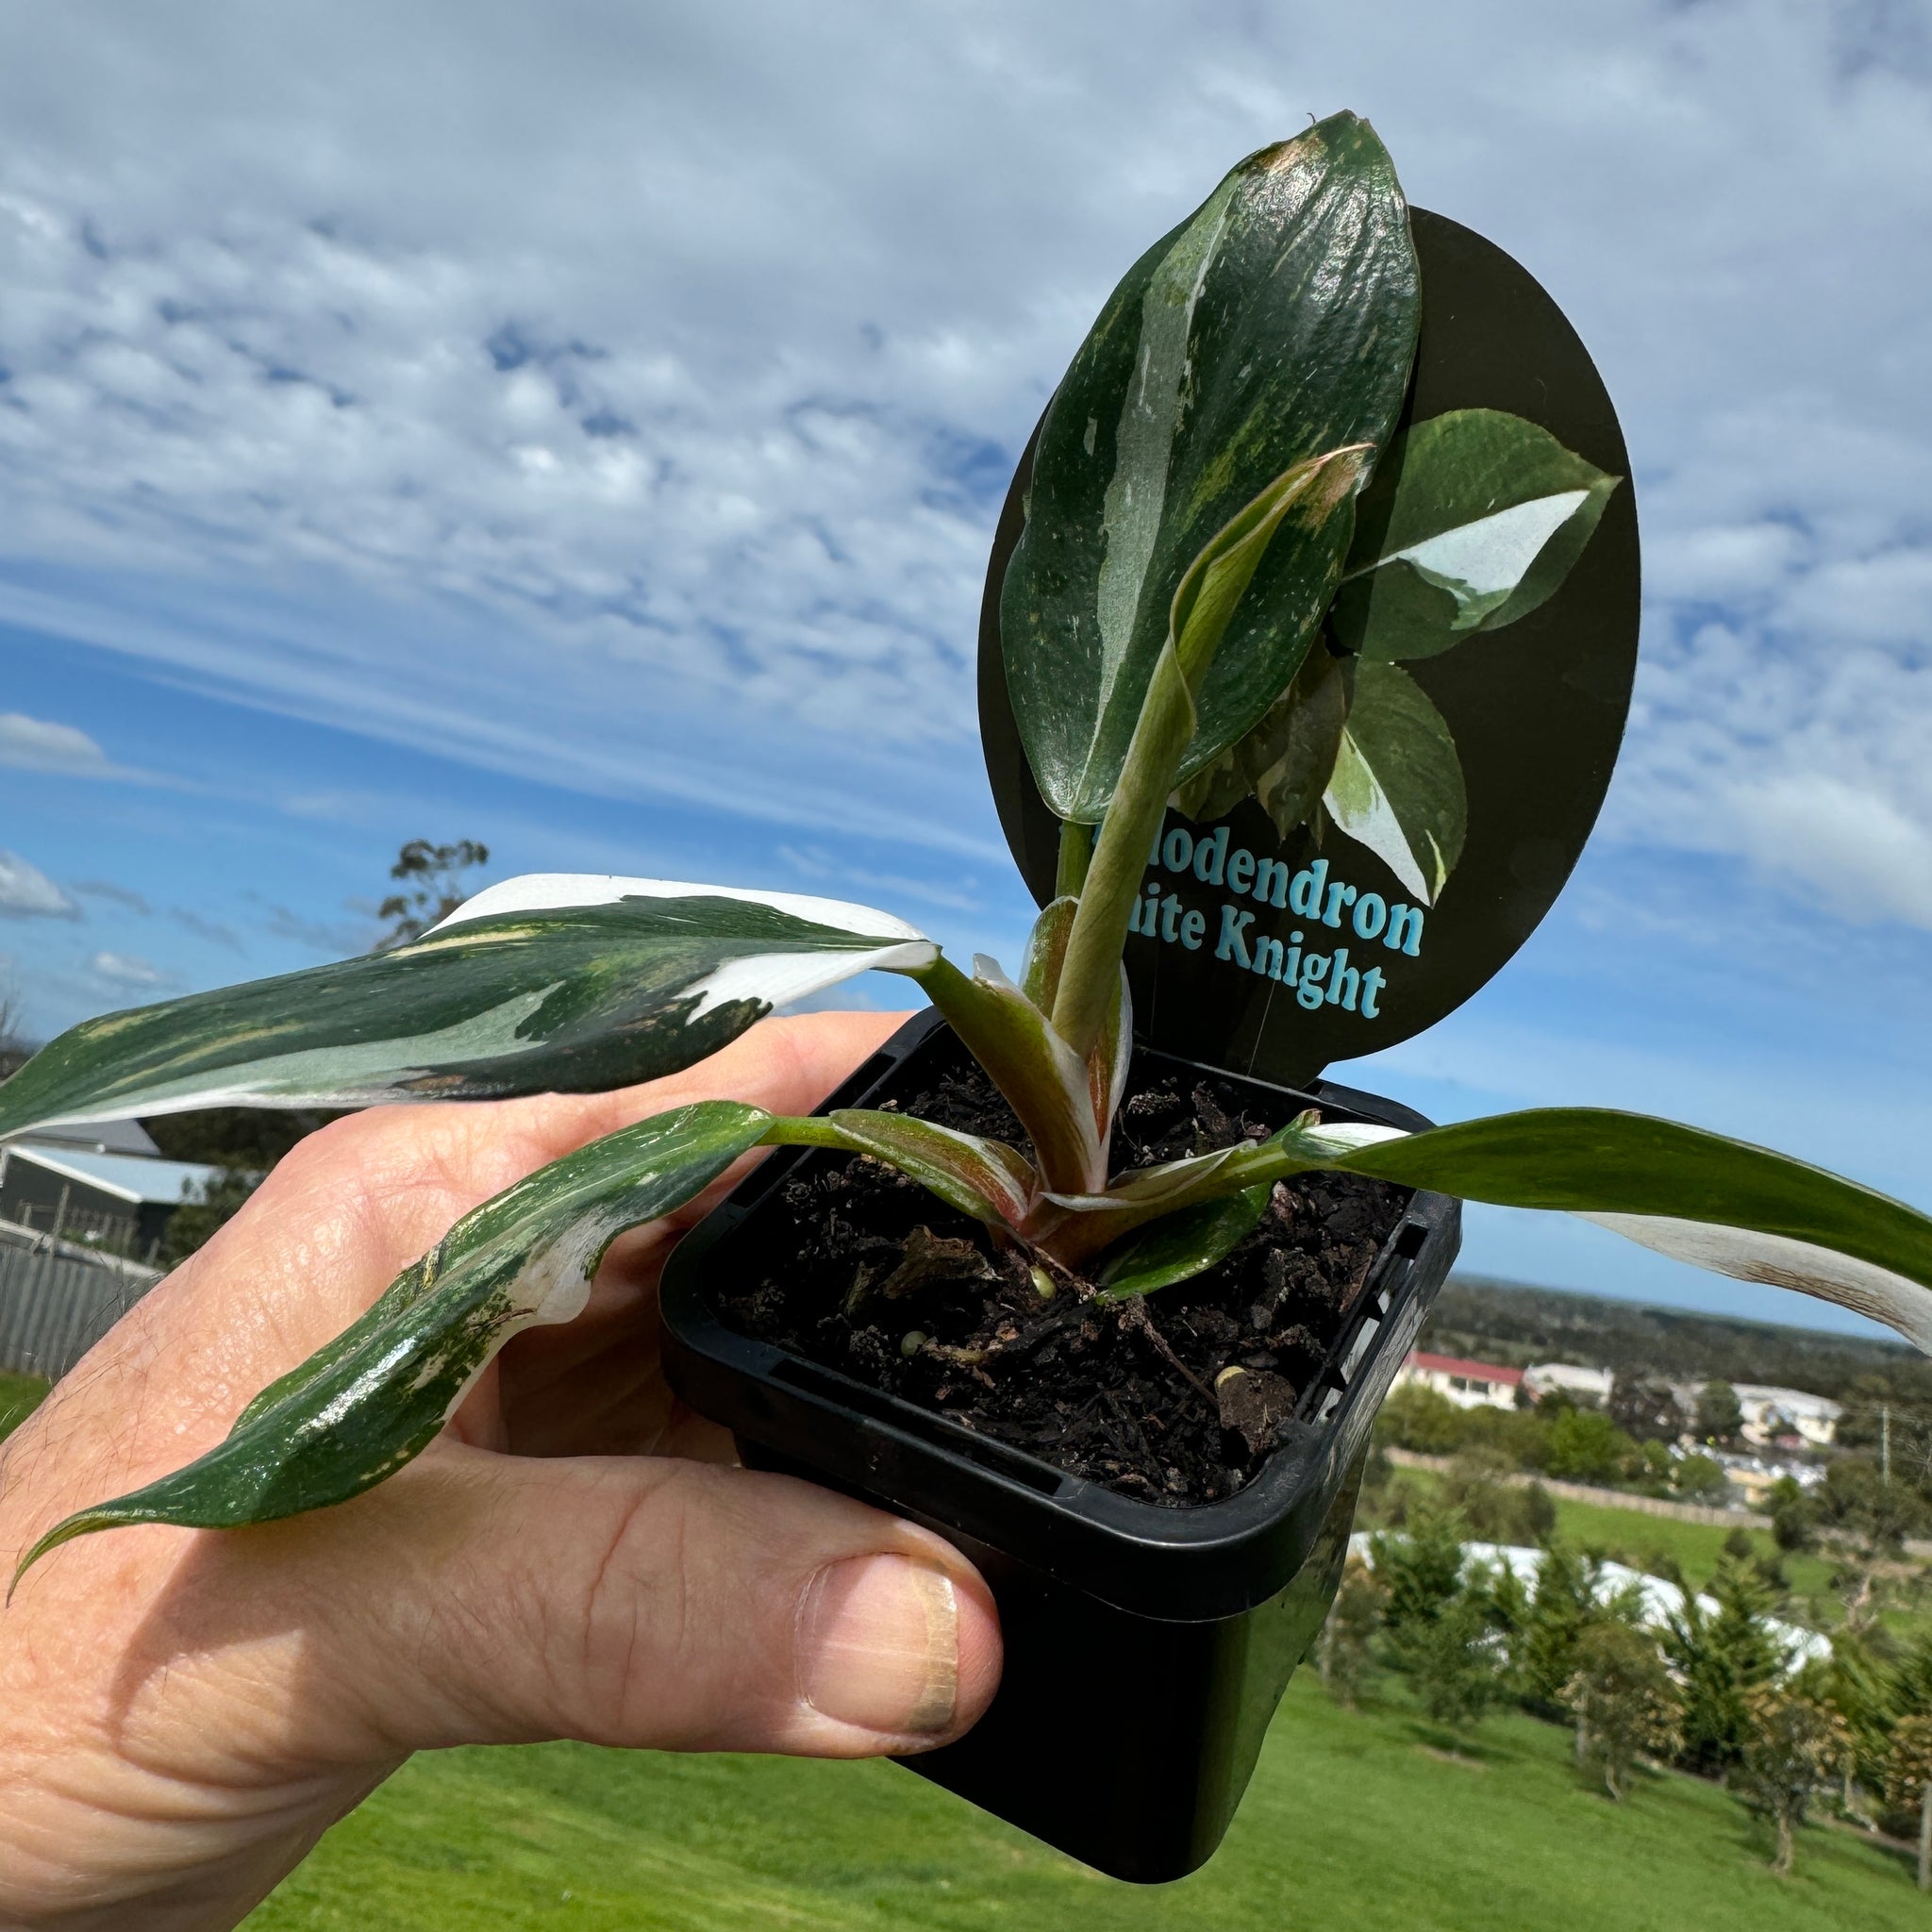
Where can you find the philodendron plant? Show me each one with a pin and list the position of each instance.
(1226, 554)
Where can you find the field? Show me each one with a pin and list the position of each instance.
(1367, 1807)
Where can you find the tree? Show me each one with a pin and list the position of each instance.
(1645, 1408)
(1624, 1701)
(1586, 1446)
(1909, 1784)
(429, 876)
(1421, 1420)
(1722, 1656)
(1346, 1649)
(1719, 1416)
(1700, 1477)
(1795, 1514)
(1422, 1569)
(1793, 1744)
(1451, 1660)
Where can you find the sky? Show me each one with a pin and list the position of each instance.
(580, 427)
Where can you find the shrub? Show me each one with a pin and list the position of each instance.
(1626, 1706)
(1793, 1744)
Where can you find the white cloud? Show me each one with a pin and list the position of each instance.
(27, 893)
(35, 744)
(631, 411)
(125, 969)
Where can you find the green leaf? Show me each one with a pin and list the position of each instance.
(1397, 783)
(548, 983)
(1474, 519)
(1093, 1222)
(376, 1397)
(1286, 760)
(1721, 1203)
(1182, 1245)
(1275, 324)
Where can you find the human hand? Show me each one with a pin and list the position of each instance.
(184, 1712)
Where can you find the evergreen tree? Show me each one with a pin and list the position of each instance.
(1722, 1656)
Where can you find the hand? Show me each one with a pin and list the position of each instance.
(184, 1712)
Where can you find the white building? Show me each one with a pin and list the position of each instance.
(1586, 1385)
(1467, 1384)
(1772, 1415)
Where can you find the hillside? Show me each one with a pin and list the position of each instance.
(1503, 1322)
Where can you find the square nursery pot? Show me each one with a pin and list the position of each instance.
(1146, 1646)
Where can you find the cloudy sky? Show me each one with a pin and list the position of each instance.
(579, 428)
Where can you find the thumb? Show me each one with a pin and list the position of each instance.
(643, 1602)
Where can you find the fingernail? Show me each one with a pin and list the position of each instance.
(880, 1645)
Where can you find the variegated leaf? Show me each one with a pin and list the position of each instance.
(978, 1175)
(1278, 322)
(1726, 1206)
(1397, 783)
(376, 1397)
(1042, 1078)
(1473, 520)
(552, 982)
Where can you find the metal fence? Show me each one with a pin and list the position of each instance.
(55, 1306)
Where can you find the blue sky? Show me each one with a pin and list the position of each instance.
(580, 430)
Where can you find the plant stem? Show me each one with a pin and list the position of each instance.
(1077, 855)
(1091, 971)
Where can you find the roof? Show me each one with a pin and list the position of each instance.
(103, 1136)
(131, 1176)
(1794, 1401)
(1456, 1365)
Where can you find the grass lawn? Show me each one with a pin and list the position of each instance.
(1364, 1807)
(20, 1396)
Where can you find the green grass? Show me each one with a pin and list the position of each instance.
(1357, 1821)
(20, 1396)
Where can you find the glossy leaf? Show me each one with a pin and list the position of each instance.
(1276, 323)
(1473, 520)
(1726, 1206)
(376, 1397)
(1182, 1244)
(1044, 1080)
(978, 1175)
(1286, 762)
(553, 982)
(1397, 783)
(1093, 1222)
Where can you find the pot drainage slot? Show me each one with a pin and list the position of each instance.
(1413, 1238)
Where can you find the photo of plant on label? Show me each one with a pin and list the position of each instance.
(1307, 647)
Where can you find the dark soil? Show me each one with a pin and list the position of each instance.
(868, 1274)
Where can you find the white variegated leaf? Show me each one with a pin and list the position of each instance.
(553, 982)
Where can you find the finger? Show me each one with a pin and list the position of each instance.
(645, 1603)
(353, 1204)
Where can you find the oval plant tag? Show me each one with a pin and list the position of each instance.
(1393, 829)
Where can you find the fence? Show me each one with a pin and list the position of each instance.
(1615, 1499)
(55, 1306)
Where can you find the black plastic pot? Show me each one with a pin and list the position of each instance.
(1146, 1647)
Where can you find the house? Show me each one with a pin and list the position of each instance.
(1581, 1384)
(105, 1184)
(1788, 1417)
(1467, 1384)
